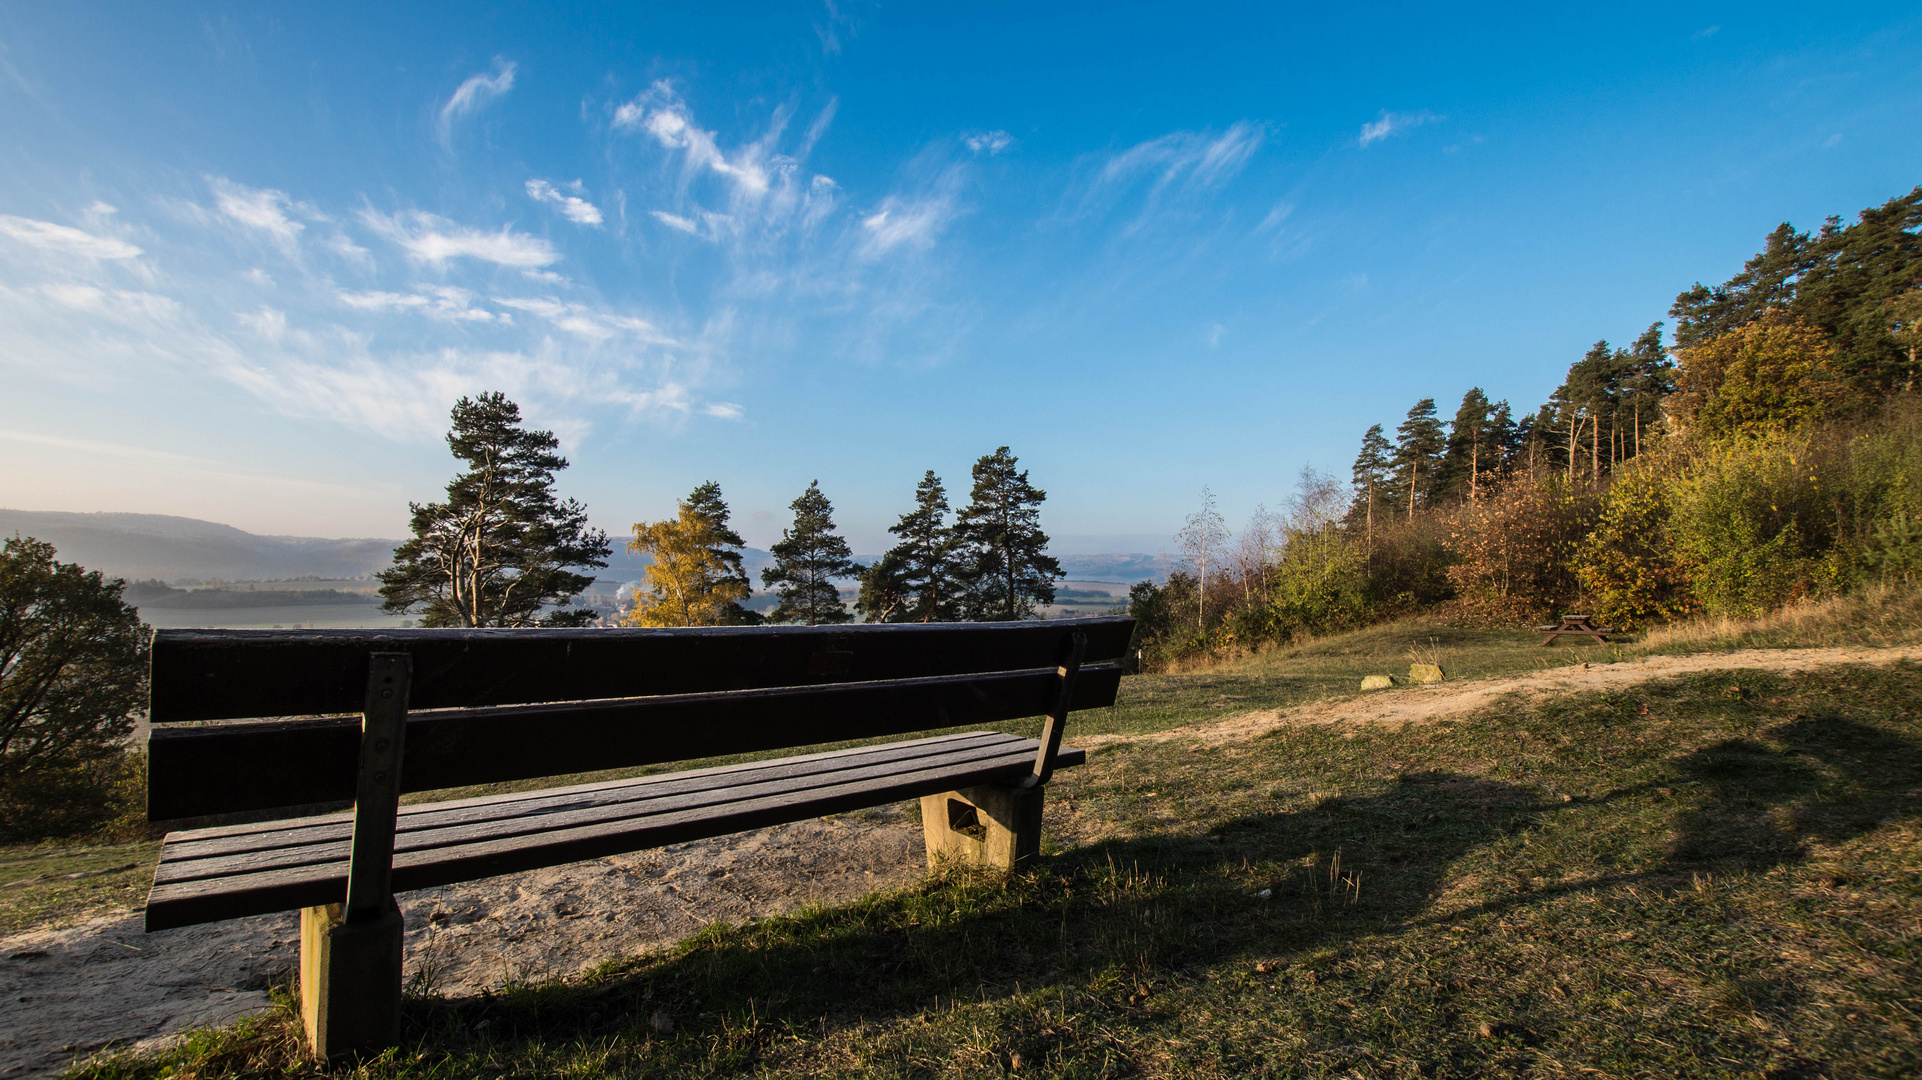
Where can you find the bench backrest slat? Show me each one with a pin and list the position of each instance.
(230, 674)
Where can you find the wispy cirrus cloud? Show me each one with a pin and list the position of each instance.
(1394, 123)
(915, 223)
(1196, 157)
(587, 322)
(430, 238)
(660, 113)
(64, 239)
(258, 208)
(477, 92)
(445, 302)
(577, 209)
(988, 142)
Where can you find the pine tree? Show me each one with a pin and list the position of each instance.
(694, 574)
(1374, 478)
(922, 566)
(1472, 450)
(1650, 381)
(1419, 443)
(498, 551)
(1009, 572)
(885, 594)
(807, 559)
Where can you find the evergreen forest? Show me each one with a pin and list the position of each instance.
(1770, 451)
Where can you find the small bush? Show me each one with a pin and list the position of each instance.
(1514, 549)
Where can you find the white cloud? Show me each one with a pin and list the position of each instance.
(988, 142)
(257, 208)
(725, 410)
(583, 321)
(259, 277)
(268, 323)
(477, 92)
(340, 245)
(577, 209)
(444, 302)
(47, 236)
(1203, 159)
(429, 238)
(122, 302)
(899, 222)
(1392, 123)
(659, 112)
(675, 221)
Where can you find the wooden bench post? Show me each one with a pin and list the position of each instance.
(350, 954)
(1001, 826)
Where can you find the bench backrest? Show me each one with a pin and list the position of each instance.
(488, 706)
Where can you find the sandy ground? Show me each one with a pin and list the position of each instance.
(71, 992)
(66, 994)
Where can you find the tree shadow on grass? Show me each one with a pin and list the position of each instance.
(1760, 802)
(1121, 913)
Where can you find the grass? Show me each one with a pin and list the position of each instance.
(1712, 875)
(44, 886)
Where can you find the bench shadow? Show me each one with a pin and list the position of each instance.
(1265, 885)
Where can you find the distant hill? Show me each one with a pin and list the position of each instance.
(1124, 569)
(159, 546)
(137, 546)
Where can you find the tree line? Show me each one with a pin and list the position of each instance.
(504, 550)
(1773, 451)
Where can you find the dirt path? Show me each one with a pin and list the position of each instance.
(68, 993)
(1441, 701)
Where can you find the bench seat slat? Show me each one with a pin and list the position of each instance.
(664, 821)
(231, 768)
(327, 841)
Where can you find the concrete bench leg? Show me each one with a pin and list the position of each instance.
(349, 981)
(982, 826)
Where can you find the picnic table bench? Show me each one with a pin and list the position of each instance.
(450, 708)
(1578, 625)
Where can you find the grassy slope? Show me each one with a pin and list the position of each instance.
(1716, 875)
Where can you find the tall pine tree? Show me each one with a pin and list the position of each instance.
(500, 550)
(1374, 477)
(809, 556)
(916, 581)
(1009, 572)
(1419, 443)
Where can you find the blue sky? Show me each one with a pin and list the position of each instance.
(249, 255)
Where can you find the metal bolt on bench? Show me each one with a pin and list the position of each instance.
(451, 708)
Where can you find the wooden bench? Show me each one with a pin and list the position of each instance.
(1577, 625)
(448, 708)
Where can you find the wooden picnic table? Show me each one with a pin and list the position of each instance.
(1578, 625)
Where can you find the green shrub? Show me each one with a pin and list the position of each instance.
(1629, 564)
(1320, 586)
(1755, 519)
